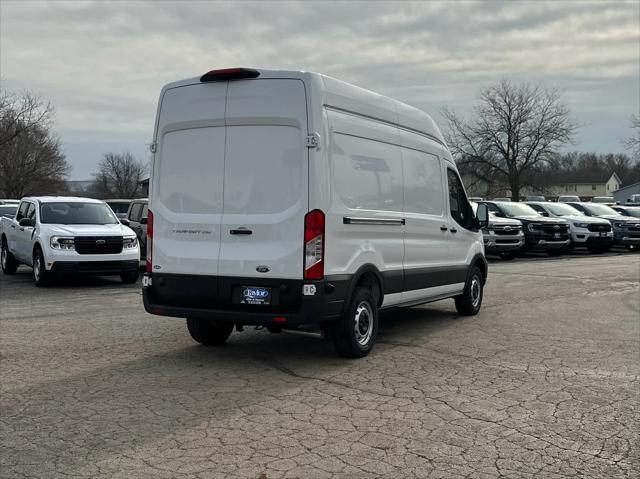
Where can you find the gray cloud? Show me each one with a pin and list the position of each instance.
(103, 63)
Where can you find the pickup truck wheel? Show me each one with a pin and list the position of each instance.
(130, 277)
(354, 334)
(40, 274)
(469, 302)
(9, 263)
(209, 333)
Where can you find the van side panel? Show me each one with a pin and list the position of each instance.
(366, 171)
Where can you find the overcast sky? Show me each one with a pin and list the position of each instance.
(103, 63)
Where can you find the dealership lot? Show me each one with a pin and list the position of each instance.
(542, 383)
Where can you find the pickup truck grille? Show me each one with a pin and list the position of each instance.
(506, 230)
(551, 229)
(596, 227)
(98, 244)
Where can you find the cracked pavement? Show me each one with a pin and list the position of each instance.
(544, 382)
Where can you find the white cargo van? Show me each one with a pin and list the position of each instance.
(290, 199)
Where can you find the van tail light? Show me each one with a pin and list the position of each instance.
(314, 245)
(149, 241)
(229, 74)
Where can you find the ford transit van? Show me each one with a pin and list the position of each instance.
(289, 200)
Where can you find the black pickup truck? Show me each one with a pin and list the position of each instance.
(540, 233)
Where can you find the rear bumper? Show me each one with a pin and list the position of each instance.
(102, 268)
(216, 298)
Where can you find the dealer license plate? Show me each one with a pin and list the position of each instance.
(255, 295)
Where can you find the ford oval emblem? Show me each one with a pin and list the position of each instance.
(263, 269)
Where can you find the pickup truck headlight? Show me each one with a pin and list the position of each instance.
(130, 242)
(532, 227)
(62, 242)
(581, 225)
(618, 225)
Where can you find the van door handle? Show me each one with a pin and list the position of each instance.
(241, 231)
(453, 230)
(443, 228)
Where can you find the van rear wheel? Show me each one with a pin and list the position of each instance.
(209, 333)
(354, 334)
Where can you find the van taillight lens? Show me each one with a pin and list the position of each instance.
(149, 240)
(314, 245)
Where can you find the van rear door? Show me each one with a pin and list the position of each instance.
(265, 179)
(188, 179)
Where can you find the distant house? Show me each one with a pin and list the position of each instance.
(586, 184)
(79, 187)
(621, 195)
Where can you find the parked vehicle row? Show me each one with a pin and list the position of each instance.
(558, 227)
(291, 200)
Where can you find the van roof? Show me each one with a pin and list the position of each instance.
(349, 98)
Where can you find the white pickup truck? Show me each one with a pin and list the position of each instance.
(55, 234)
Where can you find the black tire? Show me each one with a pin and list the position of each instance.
(209, 333)
(555, 252)
(361, 314)
(507, 255)
(9, 263)
(470, 301)
(130, 277)
(41, 277)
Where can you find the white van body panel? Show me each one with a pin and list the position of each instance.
(187, 182)
(265, 180)
(237, 158)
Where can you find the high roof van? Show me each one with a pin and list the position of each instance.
(290, 200)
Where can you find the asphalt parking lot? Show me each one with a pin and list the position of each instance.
(544, 382)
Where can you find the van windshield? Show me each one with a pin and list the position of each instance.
(76, 213)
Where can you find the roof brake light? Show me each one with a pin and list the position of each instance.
(229, 74)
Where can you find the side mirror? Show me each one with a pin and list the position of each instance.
(125, 221)
(483, 215)
(143, 221)
(26, 222)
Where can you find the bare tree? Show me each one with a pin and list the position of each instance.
(31, 158)
(515, 130)
(633, 142)
(119, 176)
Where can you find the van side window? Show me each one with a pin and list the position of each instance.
(22, 211)
(461, 210)
(422, 183)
